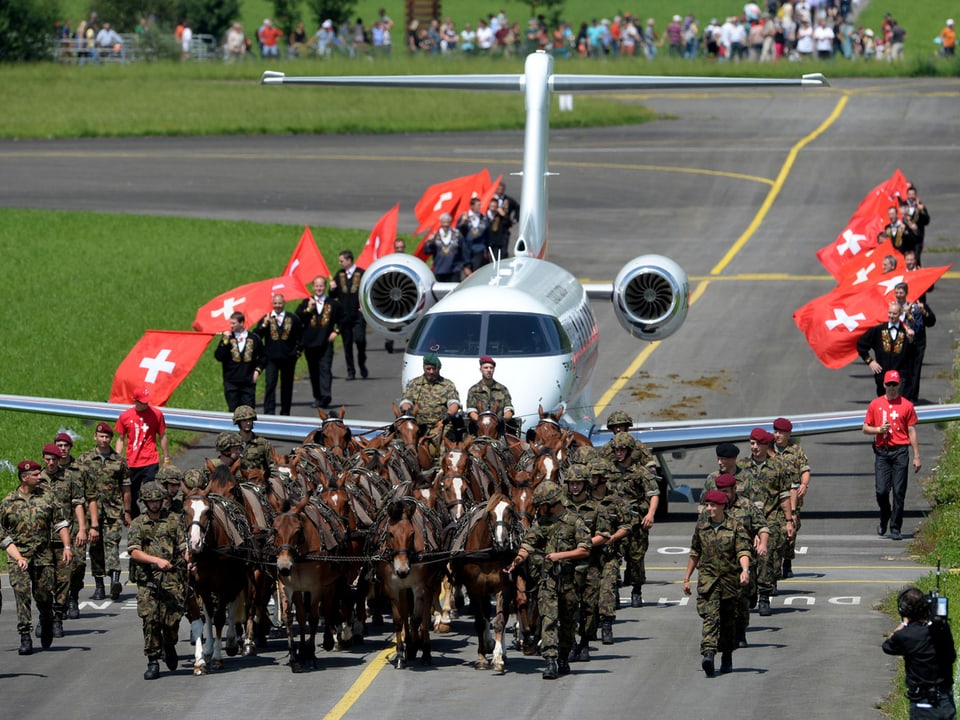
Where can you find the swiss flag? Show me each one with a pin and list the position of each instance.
(306, 263)
(449, 197)
(159, 362)
(254, 300)
(488, 194)
(857, 237)
(833, 322)
(919, 281)
(866, 268)
(381, 238)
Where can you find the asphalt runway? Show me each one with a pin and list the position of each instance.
(772, 174)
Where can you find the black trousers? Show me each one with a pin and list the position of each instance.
(354, 332)
(320, 364)
(281, 370)
(239, 393)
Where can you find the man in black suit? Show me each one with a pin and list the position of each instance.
(320, 317)
(345, 289)
(241, 354)
(891, 343)
(280, 332)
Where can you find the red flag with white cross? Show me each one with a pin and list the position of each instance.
(307, 262)
(833, 323)
(254, 300)
(381, 238)
(452, 196)
(159, 362)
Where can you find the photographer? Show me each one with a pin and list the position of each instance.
(928, 654)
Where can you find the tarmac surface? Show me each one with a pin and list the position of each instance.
(740, 188)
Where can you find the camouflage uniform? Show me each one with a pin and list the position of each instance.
(748, 515)
(586, 577)
(767, 486)
(77, 475)
(257, 454)
(615, 514)
(431, 397)
(29, 522)
(66, 490)
(636, 484)
(487, 396)
(718, 550)
(557, 601)
(796, 459)
(108, 475)
(160, 595)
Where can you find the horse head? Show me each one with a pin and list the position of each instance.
(198, 518)
(502, 521)
(334, 434)
(521, 495)
(289, 535)
(401, 545)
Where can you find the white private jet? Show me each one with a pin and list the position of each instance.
(533, 316)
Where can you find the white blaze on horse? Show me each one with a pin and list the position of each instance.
(218, 543)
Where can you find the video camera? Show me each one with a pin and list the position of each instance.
(937, 605)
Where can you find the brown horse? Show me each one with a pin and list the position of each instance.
(304, 537)
(404, 534)
(334, 434)
(219, 544)
(521, 495)
(411, 433)
(487, 541)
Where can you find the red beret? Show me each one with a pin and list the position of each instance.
(28, 466)
(726, 480)
(52, 449)
(104, 428)
(63, 437)
(761, 436)
(783, 425)
(717, 497)
(487, 359)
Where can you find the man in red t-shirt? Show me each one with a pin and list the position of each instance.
(139, 428)
(892, 420)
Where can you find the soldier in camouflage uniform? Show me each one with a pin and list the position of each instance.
(563, 538)
(73, 470)
(257, 452)
(619, 423)
(489, 394)
(638, 485)
(727, 454)
(720, 553)
(68, 492)
(586, 577)
(229, 445)
(755, 524)
(107, 471)
(767, 485)
(615, 519)
(158, 553)
(193, 481)
(435, 397)
(28, 519)
(170, 478)
(794, 454)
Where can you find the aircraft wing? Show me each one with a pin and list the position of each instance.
(660, 437)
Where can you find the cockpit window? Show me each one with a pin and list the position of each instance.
(496, 334)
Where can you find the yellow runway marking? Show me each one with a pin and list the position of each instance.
(777, 185)
(360, 685)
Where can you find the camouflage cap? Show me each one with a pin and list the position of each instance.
(599, 468)
(152, 491)
(619, 417)
(623, 441)
(581, 455)
(576, 473)
(227, 440)
(547, 493)
(244, 412)
(169, 474)
(193, 480)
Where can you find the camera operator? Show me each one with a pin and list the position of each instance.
(928, 654)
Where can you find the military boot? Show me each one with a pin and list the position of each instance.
(550, 672)
(726, 662)
(636, 599)
(38, 630)
(764, 606)
(99, 592)
(170, 658)
(26, 644)
(115, 586)
(787, 569)
(153, 669)
(46, 631)
(563, 666)
(741, 638)
(707, 664)
(606, 631)
(56, 627)
(73, 606)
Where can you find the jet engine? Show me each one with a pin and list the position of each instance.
(651, 297)
(395, 292)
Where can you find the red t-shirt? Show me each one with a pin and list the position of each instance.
(140, 431)
(270, 35)
(899, 413)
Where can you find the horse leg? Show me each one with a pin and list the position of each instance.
(480, 628)
(216, 658)
(250, 616)
(232, 646)
(289, 597)
(499, 623)
(424, 596)
(444, 619)
(400, 630)
(196, 629)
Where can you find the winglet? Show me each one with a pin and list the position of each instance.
(809, 80)
(271, 77)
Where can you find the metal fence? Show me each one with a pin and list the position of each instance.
(132, 48)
